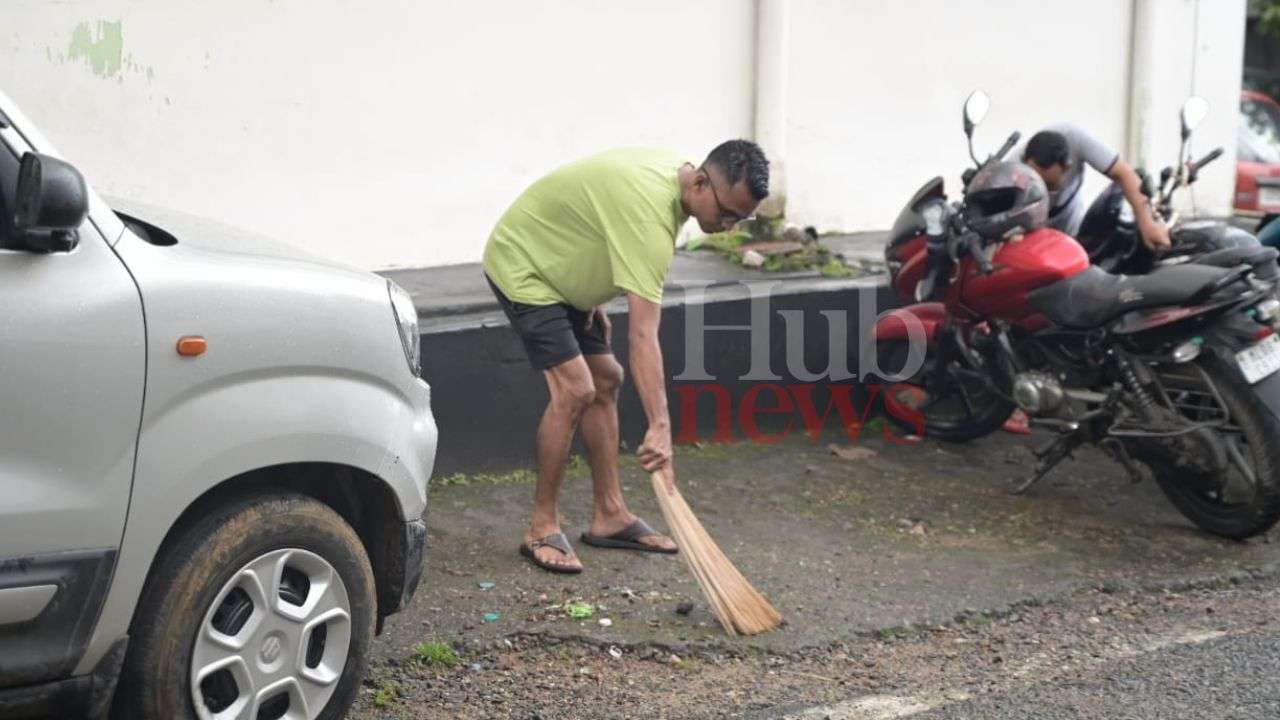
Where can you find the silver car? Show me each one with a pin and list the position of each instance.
(214, 455)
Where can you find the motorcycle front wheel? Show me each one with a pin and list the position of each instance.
(1243, 499)
(955, 403)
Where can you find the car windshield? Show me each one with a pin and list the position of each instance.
(1259, 132)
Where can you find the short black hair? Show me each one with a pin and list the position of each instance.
(1048, 148)
(742, 160)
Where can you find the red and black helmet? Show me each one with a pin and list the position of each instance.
(1004, 198)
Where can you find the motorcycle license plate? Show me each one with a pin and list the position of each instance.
(1260, 360)
(1269, 196)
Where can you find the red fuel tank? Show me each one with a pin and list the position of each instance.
(1039, 258)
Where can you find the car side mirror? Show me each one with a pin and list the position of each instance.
(1193, 112)
(975, 109)
(52, 201)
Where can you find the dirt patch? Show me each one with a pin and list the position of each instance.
(1082, 639)
(910, 536)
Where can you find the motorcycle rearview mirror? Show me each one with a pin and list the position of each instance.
(1194, 111)
(975, 109)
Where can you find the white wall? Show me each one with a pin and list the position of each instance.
(380, 133)
(877, 91)
(394, 133)
(1196, 48)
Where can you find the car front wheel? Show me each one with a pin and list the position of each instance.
(262, 610)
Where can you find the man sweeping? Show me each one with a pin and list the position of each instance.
(579, 237)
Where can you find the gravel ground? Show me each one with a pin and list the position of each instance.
(912, 582)
(1197, 652)
(898, 536)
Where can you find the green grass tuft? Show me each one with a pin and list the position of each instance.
(577, 466)
(435, 653)
(902, 631)
(386, 694)
(689, 665)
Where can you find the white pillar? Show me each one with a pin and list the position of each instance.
(772, 55)
(1183, 48)
(1142, 72)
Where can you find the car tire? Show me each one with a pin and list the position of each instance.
(265, 581)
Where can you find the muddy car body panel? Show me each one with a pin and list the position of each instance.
(111, 439)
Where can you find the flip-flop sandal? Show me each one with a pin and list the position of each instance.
(556, 541)
(628, 538)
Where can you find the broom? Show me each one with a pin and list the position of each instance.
(739, 607)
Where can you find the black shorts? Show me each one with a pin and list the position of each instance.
(552, 334)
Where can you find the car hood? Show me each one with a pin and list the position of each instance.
(211, 235)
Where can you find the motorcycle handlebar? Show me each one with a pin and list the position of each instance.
(974, 245)
(1008, 145)
(1213, 155)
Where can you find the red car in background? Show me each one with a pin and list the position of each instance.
(1258, 157)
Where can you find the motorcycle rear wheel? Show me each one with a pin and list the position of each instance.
(963, 409)
(1228, 503)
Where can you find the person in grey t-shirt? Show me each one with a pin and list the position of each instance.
(1059, 153)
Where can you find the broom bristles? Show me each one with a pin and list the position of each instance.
(739, 607)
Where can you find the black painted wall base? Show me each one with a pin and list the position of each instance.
(487, 400)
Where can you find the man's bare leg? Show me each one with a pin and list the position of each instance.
(572, 391)
(600, 434)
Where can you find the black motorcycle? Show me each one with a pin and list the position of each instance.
(1110, 234)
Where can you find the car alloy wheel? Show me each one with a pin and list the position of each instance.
(273, 644)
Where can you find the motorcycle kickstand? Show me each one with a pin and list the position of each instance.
(1120, 454)
(1049, 456)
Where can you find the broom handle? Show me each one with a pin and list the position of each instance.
(667, 477)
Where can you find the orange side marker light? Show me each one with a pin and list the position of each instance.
(192, 345)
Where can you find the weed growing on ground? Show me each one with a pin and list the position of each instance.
(689, 665)
(435, 653)
(875, 426)
(715, 450)
(893, 633)
(386, 694)
(523, 476)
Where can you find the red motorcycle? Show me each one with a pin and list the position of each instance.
(1175, 370)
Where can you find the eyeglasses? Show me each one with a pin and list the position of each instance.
(727, 217)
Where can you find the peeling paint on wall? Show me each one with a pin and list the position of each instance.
(102, 51)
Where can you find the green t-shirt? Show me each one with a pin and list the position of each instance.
(590, 230)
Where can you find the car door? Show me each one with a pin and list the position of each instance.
(72, 369)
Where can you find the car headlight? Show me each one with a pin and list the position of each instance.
(407, 324)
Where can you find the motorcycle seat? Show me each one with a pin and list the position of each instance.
(1092, 297)
(1263, 259)
(1210, 235)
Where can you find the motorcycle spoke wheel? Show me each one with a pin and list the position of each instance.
(1240, 481)
(956, 402)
